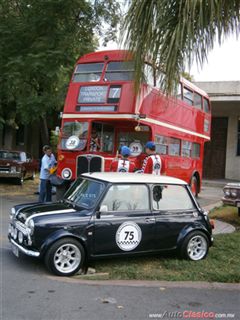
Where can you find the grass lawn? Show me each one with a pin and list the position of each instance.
(221, 265)
(226, 213)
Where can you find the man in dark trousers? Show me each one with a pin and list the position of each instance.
(48, 161)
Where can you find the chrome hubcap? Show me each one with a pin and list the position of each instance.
(197, 247)
(67, 258)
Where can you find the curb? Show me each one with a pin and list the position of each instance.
(151, 284)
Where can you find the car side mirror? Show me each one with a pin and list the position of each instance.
(103, 208)
(157, 193)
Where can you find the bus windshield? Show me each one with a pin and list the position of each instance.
(74, 135)
(88, 72)
(120, 71)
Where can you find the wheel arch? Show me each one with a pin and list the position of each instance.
(58, 236)
(190, 229)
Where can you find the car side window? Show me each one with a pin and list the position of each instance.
(124, 197)
(171, 197)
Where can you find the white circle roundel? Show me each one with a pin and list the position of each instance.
(72, 142)
(136, 148)
(128, 236)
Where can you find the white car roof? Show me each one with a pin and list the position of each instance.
(133, 178)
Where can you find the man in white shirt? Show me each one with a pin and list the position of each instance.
(48, 161)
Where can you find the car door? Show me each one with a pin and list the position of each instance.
(174, 210)
(125, 222)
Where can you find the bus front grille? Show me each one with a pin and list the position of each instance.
(89, 163)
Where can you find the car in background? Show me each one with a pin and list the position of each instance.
(17, 165)
(111, 215)
(232, 195)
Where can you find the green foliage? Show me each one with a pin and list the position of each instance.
(221, 265)
(172, 33)
(39, 44)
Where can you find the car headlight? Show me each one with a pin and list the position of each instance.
(13, 169)
(12, 213)
(67, 174)
(20, 237)
(227, 192)
(30, 226)
(233, 193)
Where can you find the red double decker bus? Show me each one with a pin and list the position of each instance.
(101, 102)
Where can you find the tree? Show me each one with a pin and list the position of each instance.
(172, 33)
(39, 44)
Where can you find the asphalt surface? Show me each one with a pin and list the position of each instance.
(29, 292)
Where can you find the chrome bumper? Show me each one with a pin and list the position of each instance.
(30, 253)
(10, 174)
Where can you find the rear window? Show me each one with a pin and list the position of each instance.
(171, 197)
(88, 72)
(119, 71)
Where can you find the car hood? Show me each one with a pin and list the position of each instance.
(6, 162)
(42, 210)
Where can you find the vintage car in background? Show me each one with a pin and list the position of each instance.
(111, 215)
(232, 195)
(18, 165)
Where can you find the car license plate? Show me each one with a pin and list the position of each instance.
(15, 250)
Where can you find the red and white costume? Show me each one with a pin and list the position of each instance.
(152, 164)
(122, 165)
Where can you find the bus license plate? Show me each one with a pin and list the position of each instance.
(15, 250)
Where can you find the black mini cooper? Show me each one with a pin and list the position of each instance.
(111, 214)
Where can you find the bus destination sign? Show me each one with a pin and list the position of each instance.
(93, 94)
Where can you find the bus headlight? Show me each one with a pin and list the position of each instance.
(67, 174)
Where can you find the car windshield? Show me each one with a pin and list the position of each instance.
(6, 155)
(84, 193)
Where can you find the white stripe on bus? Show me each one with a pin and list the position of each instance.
(134, 117)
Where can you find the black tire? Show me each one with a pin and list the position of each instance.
(55, 262)
(33, 175)
(20, 181)
(194, 186)
(239, 211)
(197, 251)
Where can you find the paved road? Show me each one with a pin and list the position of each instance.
(29, 292)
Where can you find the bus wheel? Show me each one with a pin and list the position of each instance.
(194, 186)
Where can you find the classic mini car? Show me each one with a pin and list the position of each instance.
(18, 165)
(111, 214)
(232, 195)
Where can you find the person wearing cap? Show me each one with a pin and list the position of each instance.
(123, 164)
(152, 164)
(47, 163)
(95, 143)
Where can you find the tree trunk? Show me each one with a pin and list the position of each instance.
(9, 137)
(44, 131)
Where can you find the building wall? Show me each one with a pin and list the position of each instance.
(232, 170)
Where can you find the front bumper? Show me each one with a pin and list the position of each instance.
(31, 253)
(10, 174)
(231, 202)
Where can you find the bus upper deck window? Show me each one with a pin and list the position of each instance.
(188, 96)
(88, 72)
(119, 71)
(206, 106)
(197, 101)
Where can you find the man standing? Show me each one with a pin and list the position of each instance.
(123, 164)
(152, 163)
(48, 161)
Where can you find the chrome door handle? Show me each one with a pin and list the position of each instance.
(150, 220)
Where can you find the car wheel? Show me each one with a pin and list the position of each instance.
(33, 175)
(194, 186)
(65, 257)
(195, 246)
(20, 181)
